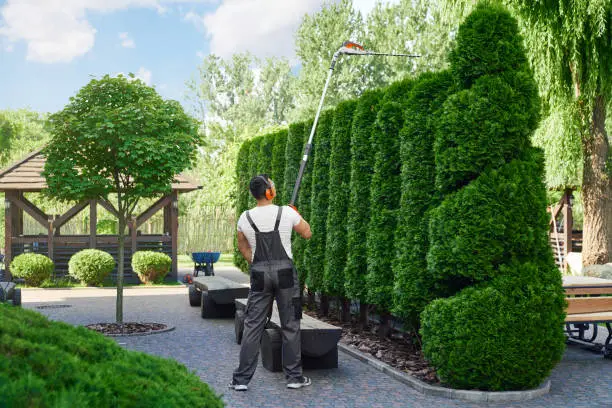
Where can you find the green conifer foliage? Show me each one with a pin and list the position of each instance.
(339, 191)
(264, 161)
(293, 155)
(243, 176)
(278, 159)
(362, 164)
(385, 195)
(500, 328)
(412, 285)
(315, 254)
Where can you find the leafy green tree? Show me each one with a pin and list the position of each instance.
(117, 135)
(362, 164)
(412, 284)
(315, 252)
(384, 200)
(316, 40)
(339, 191)
(500, 301)
(569, 50)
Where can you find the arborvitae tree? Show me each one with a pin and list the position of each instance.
(254, 154)
(278, 160)
(243, 176)
(339, 190)
(412, 285)
(293, 155)
(384, 199)
(489, 237)
(300, 244)
(264, 162)
(362, 164)
(315, 253)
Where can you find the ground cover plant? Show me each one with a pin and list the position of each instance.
(52, 364)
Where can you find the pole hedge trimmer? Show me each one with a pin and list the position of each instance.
(348, 48)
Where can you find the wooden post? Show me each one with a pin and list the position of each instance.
(50, 238)
(8, 233)
(167, 211)
(174, 233)
(134, 235)
(568, 222)
(17, 219)
(93, 223)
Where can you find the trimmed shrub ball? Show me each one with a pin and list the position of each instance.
(151, 266)
(91, 266)
(33, 268)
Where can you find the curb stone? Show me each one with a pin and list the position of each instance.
(435, 391)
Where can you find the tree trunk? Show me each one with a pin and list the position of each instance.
(384, 330)
(597, 190)
(364, 316)
(312, 304)
(345, 310)
(324, 305)
(120, 256)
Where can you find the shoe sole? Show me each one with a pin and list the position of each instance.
(239, 387)
(298, 386)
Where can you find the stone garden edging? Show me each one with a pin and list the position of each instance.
(435, 391)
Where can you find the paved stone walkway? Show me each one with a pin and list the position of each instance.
(583, 379)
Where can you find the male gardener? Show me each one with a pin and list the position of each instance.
(264, 239)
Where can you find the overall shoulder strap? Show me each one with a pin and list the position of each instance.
(250, 220)
(278, 217)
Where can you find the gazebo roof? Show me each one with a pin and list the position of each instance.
(26, 175)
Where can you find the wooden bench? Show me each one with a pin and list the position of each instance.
(8, 292)
(589, 302)
(319, 340)
(215, 295)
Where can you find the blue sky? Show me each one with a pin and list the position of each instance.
(51, 48)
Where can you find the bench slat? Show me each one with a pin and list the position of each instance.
(589, 317)
(589, 305)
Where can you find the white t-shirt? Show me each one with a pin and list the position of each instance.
(264, 218)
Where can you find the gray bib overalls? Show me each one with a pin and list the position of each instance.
(272, 277)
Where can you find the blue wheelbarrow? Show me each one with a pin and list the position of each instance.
(203, 262)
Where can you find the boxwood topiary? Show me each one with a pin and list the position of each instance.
(33, 268)
(52, 364)
(498, 324)
(151, 266)
(91, 266)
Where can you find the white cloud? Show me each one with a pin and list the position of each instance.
(263, 27)
(126, 41)
(144, 75)
(58, 30)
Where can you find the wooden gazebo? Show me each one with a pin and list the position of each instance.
(26, 177)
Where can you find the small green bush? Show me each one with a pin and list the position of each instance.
(53, 364)
(91, 266)
(33, 268)
(151, 266)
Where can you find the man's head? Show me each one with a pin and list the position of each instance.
(262, 187)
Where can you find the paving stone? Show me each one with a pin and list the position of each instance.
(582, 379)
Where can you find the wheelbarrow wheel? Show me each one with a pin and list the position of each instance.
(17, 297)
(195, 298)
(208, 270)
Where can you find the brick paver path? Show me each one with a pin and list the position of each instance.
(582, 379)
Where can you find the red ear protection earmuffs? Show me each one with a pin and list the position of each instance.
(271, 189)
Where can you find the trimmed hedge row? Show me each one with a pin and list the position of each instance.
(427, 200)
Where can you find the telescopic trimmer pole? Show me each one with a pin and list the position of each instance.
(308, 147)
(348, 48)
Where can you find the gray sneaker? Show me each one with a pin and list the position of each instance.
(238, 387)
(299, 383)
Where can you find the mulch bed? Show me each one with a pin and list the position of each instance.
(398, 350)
(128, 328)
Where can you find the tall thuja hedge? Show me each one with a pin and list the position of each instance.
(315, 253)
(293, 155)
(303, 202)
(384, 195)
(243, 176)
(254, 154)
(339, 191)
(412, 285)
(362, 164)
(278, 160)
(264, 161)
(502, 329)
